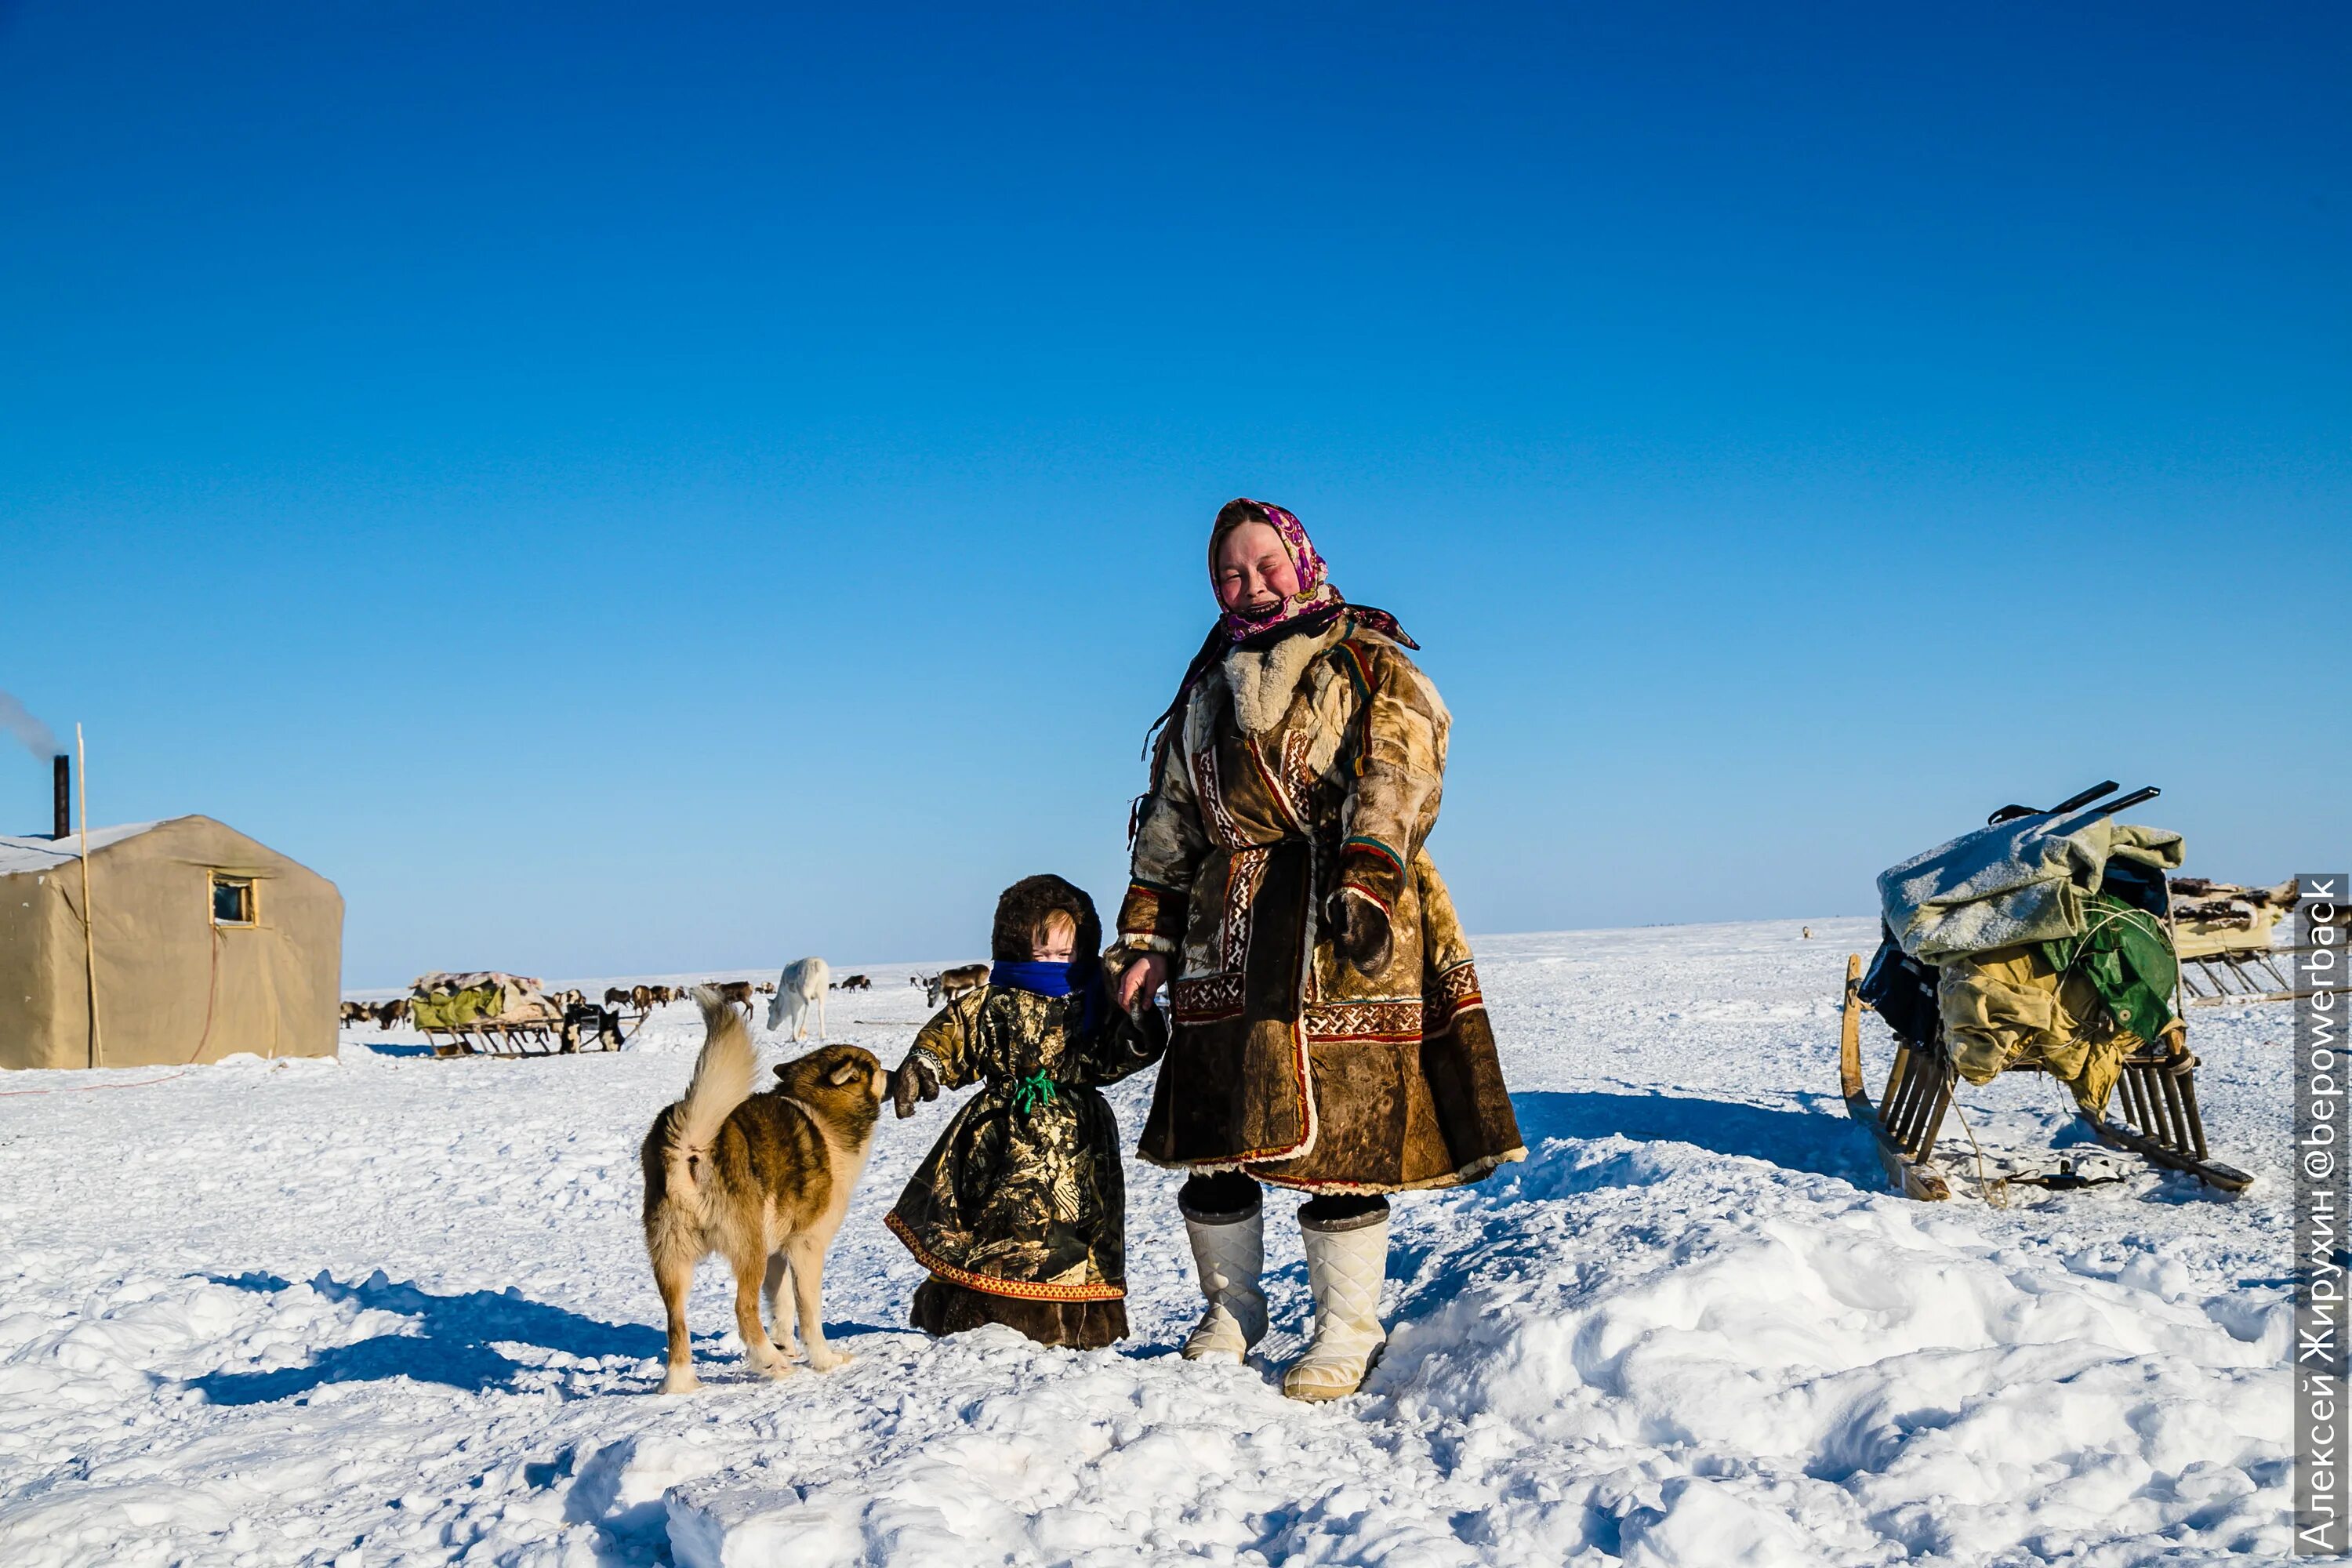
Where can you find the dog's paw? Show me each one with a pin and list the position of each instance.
(680, 1379)
(827, 1359)
(768, 1363)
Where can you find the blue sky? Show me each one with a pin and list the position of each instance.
(621, 490)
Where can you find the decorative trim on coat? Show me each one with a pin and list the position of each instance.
(991, 1285)
(1151, 918)
(1476, 1170)
(1203, 999)
(1289, 783)
(1395, 1022)
(1373, 870)
(1457, 992)
(1212, 795)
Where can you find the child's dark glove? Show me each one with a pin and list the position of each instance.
(915, 1080)
(1361, 927)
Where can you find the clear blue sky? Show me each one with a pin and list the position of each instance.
(626, 488)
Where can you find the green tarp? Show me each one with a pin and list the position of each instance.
(454, 1007)
(2125, 954)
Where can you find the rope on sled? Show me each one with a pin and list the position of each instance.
(1996, 1193)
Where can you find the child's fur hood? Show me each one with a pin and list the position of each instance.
(1028, 901)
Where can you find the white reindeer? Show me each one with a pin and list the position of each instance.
(803, 982)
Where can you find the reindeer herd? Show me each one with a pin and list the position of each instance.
(794, 995)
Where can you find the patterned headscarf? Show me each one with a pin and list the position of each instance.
(1314, 589)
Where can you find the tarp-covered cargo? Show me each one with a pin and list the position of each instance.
(2027, 880)
(442, 1001)
(2047, 942)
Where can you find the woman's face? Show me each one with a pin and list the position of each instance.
(1254, 571)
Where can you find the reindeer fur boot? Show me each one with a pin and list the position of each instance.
(1230, 1252)
(1346, 1261)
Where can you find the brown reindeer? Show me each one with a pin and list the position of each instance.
(950, 983)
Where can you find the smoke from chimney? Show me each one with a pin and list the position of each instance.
(30, 733)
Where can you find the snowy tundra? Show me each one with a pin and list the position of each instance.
(390, 1309)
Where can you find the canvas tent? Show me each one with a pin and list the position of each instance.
(206, 944)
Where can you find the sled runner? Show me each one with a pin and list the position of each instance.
(583, 1025)
(2059, 979)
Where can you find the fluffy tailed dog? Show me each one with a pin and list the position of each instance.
(761, 1179)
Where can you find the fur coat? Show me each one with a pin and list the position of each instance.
(1315, 763)
(1022, 1196)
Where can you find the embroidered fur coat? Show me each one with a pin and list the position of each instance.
(1022, 1195)
(1296, 768)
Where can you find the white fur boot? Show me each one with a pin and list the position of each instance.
(1344, 1270)
(1230, 1256)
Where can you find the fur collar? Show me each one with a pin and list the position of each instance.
(1261, 680)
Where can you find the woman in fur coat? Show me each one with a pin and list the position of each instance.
(1020, 1209)
(1329, 1034)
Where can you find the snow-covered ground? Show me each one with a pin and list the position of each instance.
(396, 1309)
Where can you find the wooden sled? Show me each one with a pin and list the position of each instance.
(2241, 974)
(514, 1038)
(2157, 1093)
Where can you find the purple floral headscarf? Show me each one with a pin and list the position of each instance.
(1314, 589)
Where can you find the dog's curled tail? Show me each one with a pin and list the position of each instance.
(722, 1073)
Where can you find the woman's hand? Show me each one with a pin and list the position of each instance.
(915, 1080)
(1141, 981)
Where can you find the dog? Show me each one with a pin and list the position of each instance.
(762, 1179)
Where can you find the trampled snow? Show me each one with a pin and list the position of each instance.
(393, 1309)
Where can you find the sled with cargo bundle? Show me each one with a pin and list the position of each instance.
(2044, 941)
(491, 1012)
(2226, 937)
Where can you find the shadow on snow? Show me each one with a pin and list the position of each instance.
(1824, 1145)
(456, 1346)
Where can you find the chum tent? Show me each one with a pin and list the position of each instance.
(205, 943)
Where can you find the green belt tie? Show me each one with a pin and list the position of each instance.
(1033, 1091)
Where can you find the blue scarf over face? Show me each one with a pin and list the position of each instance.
(1057, 980)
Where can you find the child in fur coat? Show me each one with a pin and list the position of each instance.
(1020, 1209)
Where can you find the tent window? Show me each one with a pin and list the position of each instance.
(232, 901)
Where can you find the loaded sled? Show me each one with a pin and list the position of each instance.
(2226, 939)
(493, 1014)
(2044, 941)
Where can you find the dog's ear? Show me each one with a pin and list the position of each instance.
(783, 1069)
(844, 1074)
